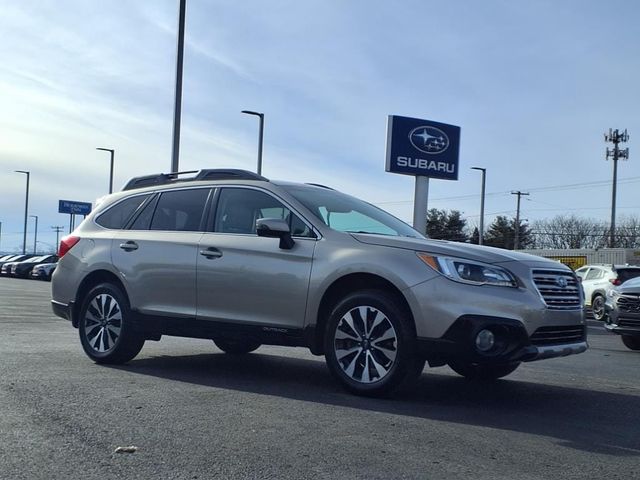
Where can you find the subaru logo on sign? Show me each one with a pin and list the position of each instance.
(430, 140)
(561, 282)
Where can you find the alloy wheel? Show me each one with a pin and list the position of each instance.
(103, 323)
(365, 344)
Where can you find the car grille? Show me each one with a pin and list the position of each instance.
(560, 290)
(558, 335)
(628, 303)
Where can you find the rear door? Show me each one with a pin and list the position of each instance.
(156, 255)
(243, 278)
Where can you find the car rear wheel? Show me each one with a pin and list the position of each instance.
(369, 345)
(632, 342)
(597, 307)
(236, 347)
(476, 371)
(105, 328)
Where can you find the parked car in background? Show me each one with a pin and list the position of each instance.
(43, 271)
(623, 312)
(23, 269)
(597, 280)
(231, 256)
(13, 258)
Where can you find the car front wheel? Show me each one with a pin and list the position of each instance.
(369, 345)
(105, 328)
(632, 342)
(476, 371)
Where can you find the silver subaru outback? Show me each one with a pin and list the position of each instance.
(230, 256)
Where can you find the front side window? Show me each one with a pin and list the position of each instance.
(240, 208)
(180, 210)
(116, 217)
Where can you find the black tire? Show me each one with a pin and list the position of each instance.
(597, 308)
(375, 356)
(483, 372)
(632, 342)
(236, 347)
(104, 324)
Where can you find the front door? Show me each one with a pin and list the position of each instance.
(243, 278)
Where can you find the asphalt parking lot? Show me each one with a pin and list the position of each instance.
(196, 413)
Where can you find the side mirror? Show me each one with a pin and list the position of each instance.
(275, 228)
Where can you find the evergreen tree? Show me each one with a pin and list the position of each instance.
(446, 225)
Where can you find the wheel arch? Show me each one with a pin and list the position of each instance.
(345, 285)
(91, 280)
(598, 293)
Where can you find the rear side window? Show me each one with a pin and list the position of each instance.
(117, 216)
(180, 210)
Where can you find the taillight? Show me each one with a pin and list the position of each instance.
(615, 281)
(66, 244)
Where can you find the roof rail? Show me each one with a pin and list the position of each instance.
(206, 174)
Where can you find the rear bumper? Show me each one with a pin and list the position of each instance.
(62, 310)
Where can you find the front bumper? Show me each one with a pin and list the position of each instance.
(513, 344)
(621, 322)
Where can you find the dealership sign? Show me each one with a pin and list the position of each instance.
(74, 208)
(422, 148)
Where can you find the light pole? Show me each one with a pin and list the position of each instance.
(260, 137)
(177, 105)
(0, 235)
(111, 151)
(26, 212)
(35, 237)
(481, 230)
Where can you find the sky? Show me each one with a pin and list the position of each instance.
(533, 86)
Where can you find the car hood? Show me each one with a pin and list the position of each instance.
(478, 253)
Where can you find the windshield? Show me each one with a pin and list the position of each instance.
(348, 214)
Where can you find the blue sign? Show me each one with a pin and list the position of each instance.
(74, 208)
(422, 147)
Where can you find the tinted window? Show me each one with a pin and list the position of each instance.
(118, 215)
(239, 208)
(180, 210)
(625, 274)
(143, 220)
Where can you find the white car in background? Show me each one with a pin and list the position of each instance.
(597, 280)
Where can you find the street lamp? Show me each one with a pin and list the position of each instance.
(261, 136)
(35, 237)
(481, 230)
(26, 212)
(110, 150)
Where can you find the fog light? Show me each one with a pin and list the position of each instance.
(485, 340)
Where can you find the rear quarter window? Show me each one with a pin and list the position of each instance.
(116, 217)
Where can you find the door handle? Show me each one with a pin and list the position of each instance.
(211, 252)
(129, 246)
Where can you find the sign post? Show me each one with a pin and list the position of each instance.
(424, 149)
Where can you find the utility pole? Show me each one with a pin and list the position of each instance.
(57, 229)
(35, 237)
(516, 241)
(615, 137)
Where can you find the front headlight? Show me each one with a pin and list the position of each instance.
(469, 271)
